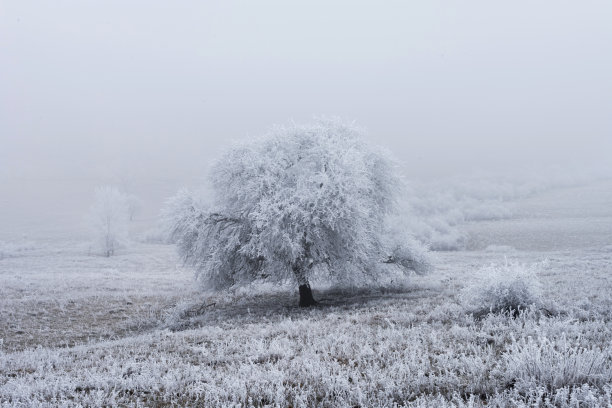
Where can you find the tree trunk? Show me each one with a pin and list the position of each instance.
(306, 299)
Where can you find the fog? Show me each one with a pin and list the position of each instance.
(155, 89)
(311, 272)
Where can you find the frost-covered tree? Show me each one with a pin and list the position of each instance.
(109, 216)
(304, 200)
(134, 205)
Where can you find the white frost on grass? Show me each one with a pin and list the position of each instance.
(378, 354)
(130, 331)
(16, 248)
(254, 347)
(547, 364)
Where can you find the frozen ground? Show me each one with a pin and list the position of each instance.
(80, 329)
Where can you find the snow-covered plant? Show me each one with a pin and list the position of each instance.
(304, 199)
(134, 205)
(109, 217)
(554, 364)
(182, 216)
(503, 288)
(404, 249)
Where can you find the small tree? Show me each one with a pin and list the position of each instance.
(303, 199)
(134, 205)
(109, 218)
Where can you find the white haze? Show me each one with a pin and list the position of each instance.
(149, 92)
(158, 87)
(499, 111)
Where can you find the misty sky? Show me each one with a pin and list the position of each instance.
(155, 89)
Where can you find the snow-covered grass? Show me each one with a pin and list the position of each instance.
(61, 294)
(78, 329)
(129, 331)
(16, 248)
(555, 364)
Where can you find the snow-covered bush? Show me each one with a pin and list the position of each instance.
(503, 288)
(553, 364)
(109, 218)
(305, 199)
(181, 216)
(403, 249)
(412, 255)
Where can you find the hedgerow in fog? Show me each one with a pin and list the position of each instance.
(507, 288)
(109, 216)
(304, 200)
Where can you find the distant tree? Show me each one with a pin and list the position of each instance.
(304, 199)
(134, 205)
(126, 180)
(109, 217)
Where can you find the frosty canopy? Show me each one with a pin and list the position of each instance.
(302, 198)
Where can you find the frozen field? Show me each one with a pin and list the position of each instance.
(78, 329)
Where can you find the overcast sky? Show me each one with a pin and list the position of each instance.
(89, 88)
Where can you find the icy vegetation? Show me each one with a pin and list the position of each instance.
(303, 201)
(17, 248)
(109, 216)
(521, 320)
(440, 209)
(507, 288)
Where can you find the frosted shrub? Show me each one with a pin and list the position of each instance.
(411, 255)
(304, 200)
(555, 364)
(109, 220)
(506, 288)
(182, 216)
(404, 250)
